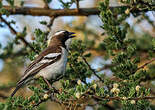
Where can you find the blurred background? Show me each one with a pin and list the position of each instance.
(86, 28)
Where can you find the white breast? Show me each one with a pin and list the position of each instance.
(57, 68)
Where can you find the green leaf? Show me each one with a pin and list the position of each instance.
(87, 55)
(11, 2)
(3, 11)
(2, 106)
(43, 22)
(132, 92)
(1, 4)
(22, 3)
(153, 43)
(48, 1)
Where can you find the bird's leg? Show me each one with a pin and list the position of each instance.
(49, 85)
(60, 77)
(57, 79)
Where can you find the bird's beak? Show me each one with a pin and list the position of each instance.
(71, 34)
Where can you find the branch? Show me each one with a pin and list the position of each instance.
(7, 86)
(41, 101)
(52, 12)
(13, 31)
(94, 97)
(120, 98)
(64, 12)
(52, 96)
(10, 27)
(3, 96)
(92, 69)
(148, 78)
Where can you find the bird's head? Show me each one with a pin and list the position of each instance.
(62, 37)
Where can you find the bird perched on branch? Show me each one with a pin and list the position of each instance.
(51, 62)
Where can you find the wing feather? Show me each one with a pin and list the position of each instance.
(47, 57)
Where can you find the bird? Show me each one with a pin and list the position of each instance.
(51, 62)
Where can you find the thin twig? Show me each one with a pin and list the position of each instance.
(41, 101)
(49, 27)
(120, 98)
(3, 96)
(46, 4)
(7, 86)
(77, 4)
(106, 66)
(10, 27)
(146, 64)
(51, 21)
(13, 31)
(92, 69)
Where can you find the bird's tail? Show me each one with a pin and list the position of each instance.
(16, 89)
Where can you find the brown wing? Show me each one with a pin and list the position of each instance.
(36, 66)
(27, 77)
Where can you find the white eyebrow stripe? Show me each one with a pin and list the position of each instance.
(57, 33)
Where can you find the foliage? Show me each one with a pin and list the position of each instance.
(120, 44)
(126, 55)
(68, 4)
(11, 2)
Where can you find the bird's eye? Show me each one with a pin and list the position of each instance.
(66, 33)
